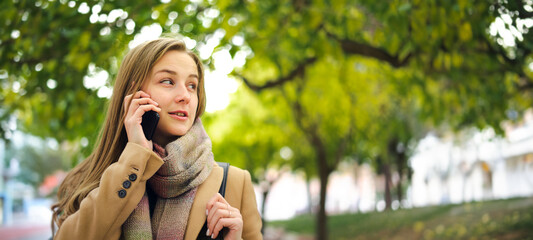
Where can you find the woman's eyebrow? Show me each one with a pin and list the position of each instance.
(167, 71)
(175, 73)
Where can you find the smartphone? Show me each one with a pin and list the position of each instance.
(149, 123)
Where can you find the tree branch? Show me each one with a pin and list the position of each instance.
(357, 48)
(309, 130)
(298, 71)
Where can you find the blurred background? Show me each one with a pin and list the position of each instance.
(358, 119)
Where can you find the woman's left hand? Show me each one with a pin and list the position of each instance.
(219, 215)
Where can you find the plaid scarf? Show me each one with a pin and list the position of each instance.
(188, 162)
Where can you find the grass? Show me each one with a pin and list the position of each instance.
(498, 219)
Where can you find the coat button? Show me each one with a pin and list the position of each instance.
(122, 193)
(126, 184)
(133, 177)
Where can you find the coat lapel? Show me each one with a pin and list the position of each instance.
(205, 192)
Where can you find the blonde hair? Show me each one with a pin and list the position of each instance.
(133, 72)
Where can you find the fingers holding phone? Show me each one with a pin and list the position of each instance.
(136, 106)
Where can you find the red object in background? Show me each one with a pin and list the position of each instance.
(51, 182)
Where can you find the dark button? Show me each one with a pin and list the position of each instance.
(126, 184)
(133, 177)
(122, 193)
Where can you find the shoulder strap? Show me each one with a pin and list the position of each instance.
(222, 189)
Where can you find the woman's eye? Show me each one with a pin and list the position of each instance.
(192, 86)
(166, 81)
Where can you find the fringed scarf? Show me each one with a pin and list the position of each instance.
(188, 162)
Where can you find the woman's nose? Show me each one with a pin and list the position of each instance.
(182, 95)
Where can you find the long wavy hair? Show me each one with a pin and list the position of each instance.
(112, 139)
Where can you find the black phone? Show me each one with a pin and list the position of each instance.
(149, 123)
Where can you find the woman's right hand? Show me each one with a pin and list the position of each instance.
(140, 104)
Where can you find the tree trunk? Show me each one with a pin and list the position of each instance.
(309, 199)
(401, 168)
(322, 218)
(399, 190)
(265, 195)
(388, 180)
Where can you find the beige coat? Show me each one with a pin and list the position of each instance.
(103, 211)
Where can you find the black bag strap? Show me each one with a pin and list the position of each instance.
(222, 191)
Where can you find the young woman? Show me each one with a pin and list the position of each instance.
(132, 188)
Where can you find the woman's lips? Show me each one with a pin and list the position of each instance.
(180, 115)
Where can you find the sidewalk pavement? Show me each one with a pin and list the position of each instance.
(23, 228)
(29, 232)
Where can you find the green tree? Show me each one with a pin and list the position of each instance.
(49, 48)
(465, 76)
(392, 139)
(320, 104)
(465, 70)
(250, 134)
(37, 163)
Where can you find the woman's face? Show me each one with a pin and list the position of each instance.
(173, 84)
